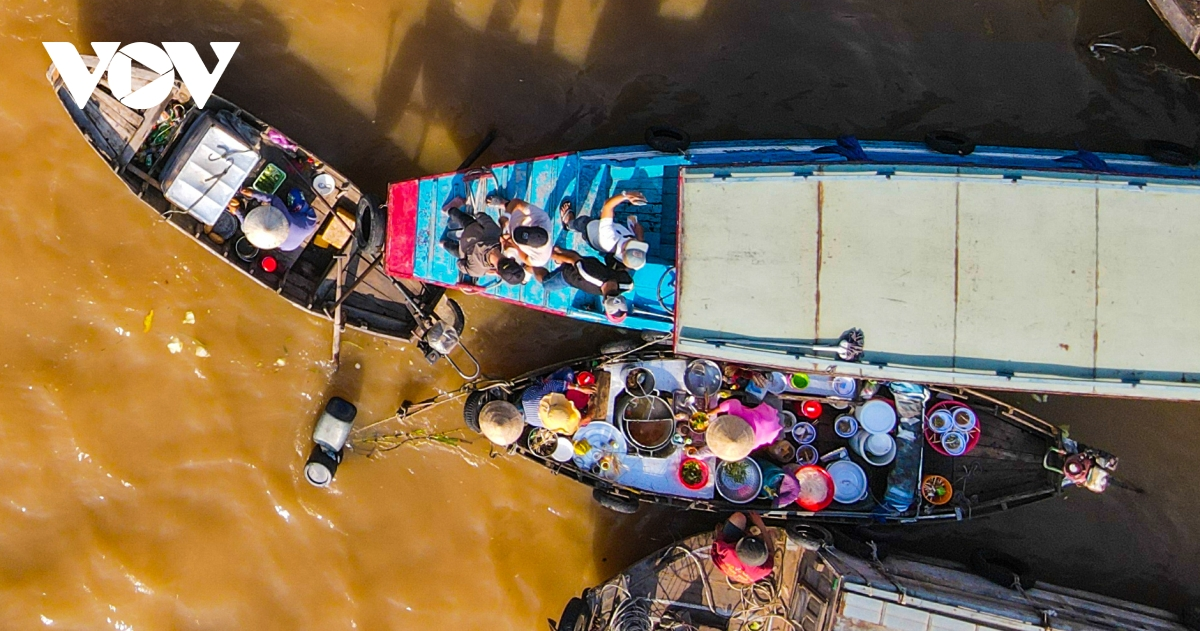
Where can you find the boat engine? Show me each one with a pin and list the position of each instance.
(329, 438)
(1084, 466)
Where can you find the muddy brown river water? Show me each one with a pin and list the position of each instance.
(150, 490)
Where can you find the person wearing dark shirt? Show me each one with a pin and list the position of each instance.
(589, 275)
(478, 247)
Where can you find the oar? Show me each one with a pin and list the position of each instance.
(337, 314)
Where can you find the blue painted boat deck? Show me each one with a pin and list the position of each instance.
(545, 183)
(417, 221)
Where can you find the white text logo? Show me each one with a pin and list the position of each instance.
(180, 56)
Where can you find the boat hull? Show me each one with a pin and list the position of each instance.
(374, 303)
(1008, 268)
(1008, 466)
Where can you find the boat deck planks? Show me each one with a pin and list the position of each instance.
(678, 585)
(545, 183)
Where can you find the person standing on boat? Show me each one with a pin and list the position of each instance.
(478, 247)
(742, 548)
(525, 231)
(591, 276)
(625, 243)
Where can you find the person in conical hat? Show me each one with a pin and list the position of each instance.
(730, 438)
(501, 423)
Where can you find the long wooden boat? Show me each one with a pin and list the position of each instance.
(1183, 18)
(191, 164)
(815, 586)
(1014, 458)
(979, 267)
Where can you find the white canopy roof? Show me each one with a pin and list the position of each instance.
(208, 170)
(1046, 283)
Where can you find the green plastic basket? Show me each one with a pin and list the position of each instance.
(269, 181)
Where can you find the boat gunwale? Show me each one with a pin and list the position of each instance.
(410, 332)
(1050, 433)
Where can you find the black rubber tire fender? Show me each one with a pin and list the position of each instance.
(1172, 153)
(575, 616)
(370, 230)
(458, 318)
(949, 142)
(667, 139)
(474, 403)
(619, 346)
(811, 537)
(615, 503)
(1002, 569)
(655, 337)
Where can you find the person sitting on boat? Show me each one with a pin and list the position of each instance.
(729, 438)
(273, 226)
(763, 419)
(625, 243)
(526, 231)
(742, 548)
(501, 423)
(558, 414)
(589, 275)
(477, 247)
(561, 382)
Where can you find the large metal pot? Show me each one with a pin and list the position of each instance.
(647, 422)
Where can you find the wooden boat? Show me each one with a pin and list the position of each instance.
(979, 267)
(1183, 18)
(815, 586)
(166, 156)
(1015, 458)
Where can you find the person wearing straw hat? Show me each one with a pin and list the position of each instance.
(729, 438)
(272, 226)
(501, 423)
(558, 414)
(742, 548)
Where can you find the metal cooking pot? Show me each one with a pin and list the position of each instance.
(639, 382)
(647, 422)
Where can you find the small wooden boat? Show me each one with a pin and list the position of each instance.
(1183, 18)
(980, 267)
(1009, 458)
(194, 166)
(815, 586)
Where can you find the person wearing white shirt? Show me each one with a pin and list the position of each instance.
(526, 230)
(626, 243)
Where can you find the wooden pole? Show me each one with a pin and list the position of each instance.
(337, 314)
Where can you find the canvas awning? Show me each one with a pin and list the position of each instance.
(954, 276)
(207, 170)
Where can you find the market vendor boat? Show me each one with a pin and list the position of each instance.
(195, 165)
(815, 586)
(646, 442)
(980, 267)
